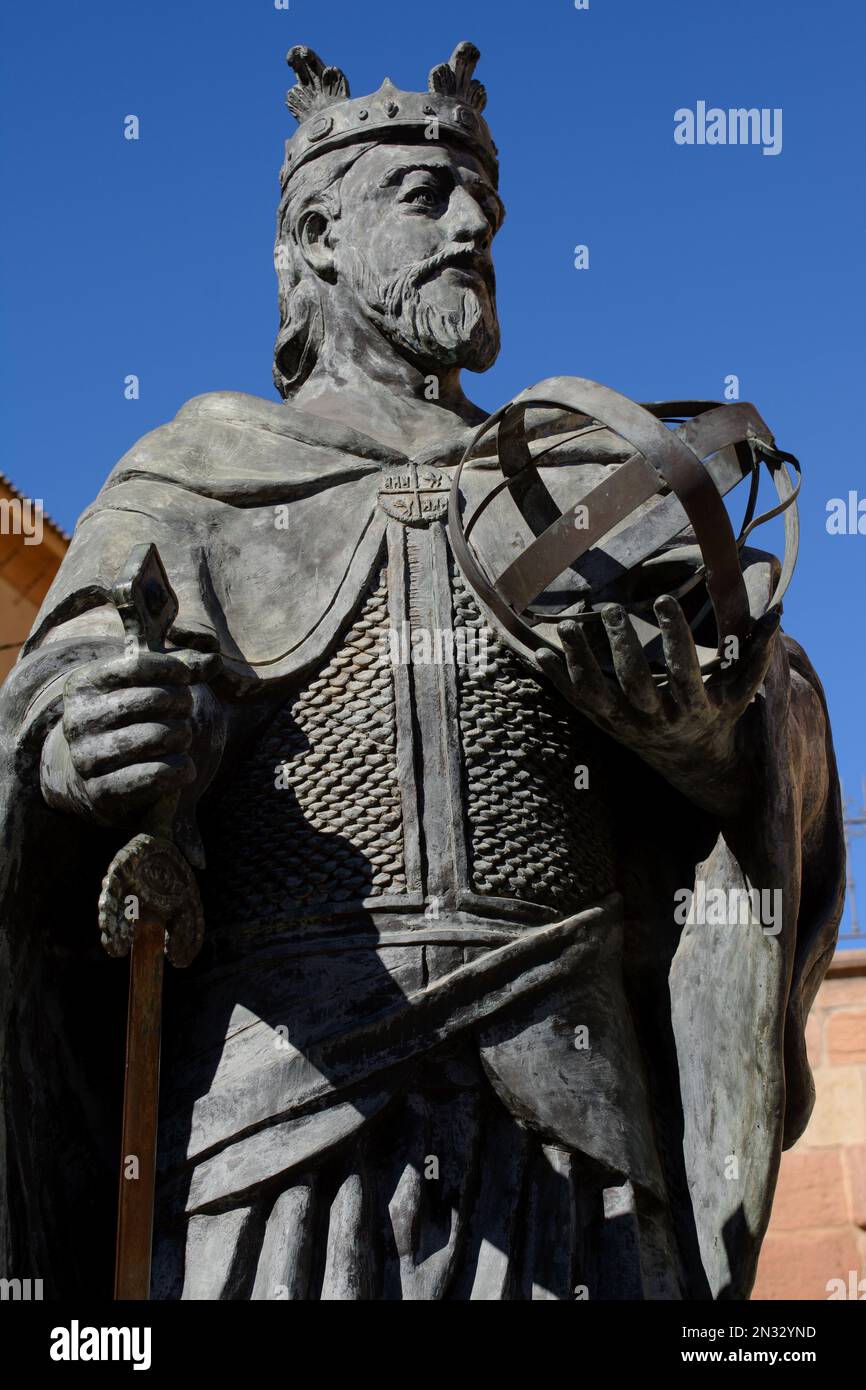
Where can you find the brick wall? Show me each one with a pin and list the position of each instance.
(26, 572)
(818, 1228)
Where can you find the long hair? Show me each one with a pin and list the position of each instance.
(302, 323)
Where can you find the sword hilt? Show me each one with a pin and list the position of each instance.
(148, 606)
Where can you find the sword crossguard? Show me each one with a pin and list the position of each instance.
(151, 873)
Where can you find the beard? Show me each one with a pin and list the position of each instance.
(462, 331)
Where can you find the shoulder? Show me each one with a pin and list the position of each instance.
(200, 446)
(238, 448)
(234, 407)
(203, 429)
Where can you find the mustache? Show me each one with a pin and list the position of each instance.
(461, 257)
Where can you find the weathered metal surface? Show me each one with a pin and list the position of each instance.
(431, 877)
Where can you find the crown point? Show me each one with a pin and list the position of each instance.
(465, 52)
(455, 79)
(317, 86)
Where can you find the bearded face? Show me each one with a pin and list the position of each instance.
(414, 247)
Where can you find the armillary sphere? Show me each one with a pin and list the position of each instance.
(654, 522)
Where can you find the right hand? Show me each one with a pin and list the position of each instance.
(129, 724)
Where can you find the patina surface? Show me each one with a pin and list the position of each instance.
(445, 1037)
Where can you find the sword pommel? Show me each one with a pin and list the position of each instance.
(145, 600)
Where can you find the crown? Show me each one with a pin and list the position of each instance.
(328, 119)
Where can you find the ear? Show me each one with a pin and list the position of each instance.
(315, 236)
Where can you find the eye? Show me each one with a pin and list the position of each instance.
(423, 196)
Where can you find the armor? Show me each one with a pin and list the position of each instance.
(340, 804)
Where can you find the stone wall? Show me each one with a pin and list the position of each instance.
(818, 1227)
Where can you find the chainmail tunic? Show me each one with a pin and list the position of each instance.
(313, 812)
(534, 833)
(313, 820)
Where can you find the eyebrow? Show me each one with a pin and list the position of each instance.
(435, 166)
(395, 175)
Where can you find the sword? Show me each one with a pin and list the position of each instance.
(149, 907)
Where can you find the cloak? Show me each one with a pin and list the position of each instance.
(267, 522)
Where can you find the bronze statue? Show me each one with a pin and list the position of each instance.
(448, 1036)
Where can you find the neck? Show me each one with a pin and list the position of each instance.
(361, 379)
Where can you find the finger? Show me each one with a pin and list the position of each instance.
(552, 666)
(593, 691)
(98, 754)
(205, 666)
(681, 657)
(749, 672)
(117, 708)
(144, 668)
(140, 784)
(629, 660)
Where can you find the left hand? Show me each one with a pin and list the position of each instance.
(686, 730)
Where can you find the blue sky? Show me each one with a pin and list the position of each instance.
(154, 257)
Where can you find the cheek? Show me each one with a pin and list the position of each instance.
(390, 241)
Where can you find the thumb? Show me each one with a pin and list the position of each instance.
(754, 664)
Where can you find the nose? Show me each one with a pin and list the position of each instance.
(466, 219)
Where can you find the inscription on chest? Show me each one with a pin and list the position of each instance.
(414, 494)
